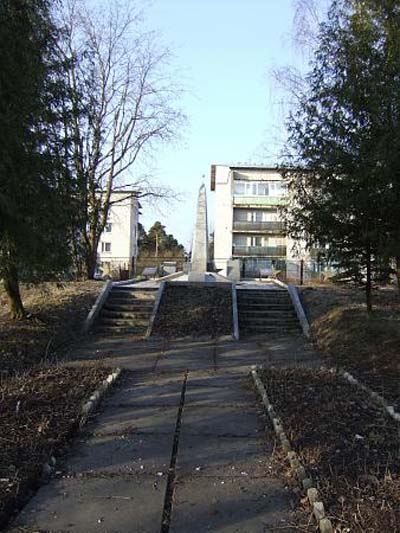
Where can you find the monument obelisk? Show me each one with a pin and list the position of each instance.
(198, 263)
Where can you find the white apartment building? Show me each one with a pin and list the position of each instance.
(248, 230)
(117, 250)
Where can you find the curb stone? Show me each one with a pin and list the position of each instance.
(374, 395)
(87, 408)
(317, 506)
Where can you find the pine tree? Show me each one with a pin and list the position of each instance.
(345, 139)
(35, 188)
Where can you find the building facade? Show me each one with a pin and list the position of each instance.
(118, 249)
(249, 234)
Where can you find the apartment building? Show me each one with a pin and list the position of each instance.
(249, 233)
(117, 250)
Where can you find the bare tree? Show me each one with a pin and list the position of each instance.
(122, 104)
(289, 79)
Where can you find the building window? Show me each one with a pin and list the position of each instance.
(256, 241)
(108, 227)
(259, 188)
(106, 247)
(263, 189)
(277, 188)
(240, 188)
(240, 240)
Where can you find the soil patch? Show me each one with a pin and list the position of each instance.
(57, 314)
(194, 311)
(39, 412)
(347, 444)
(367, 346)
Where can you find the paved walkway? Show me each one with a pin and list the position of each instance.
(179, 446)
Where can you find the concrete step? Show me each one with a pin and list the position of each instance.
(124, 313)
(268, 318)
(245, 296)
(248, 308)
(124, 297)
(265, 329)
(250, 321)
(268, 312)
(123, 322)
(131, 290)
(132, 304)
(110, 331)
(261, 294)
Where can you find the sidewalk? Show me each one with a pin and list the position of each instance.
(179, 446)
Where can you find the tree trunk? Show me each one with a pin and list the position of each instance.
(398, 271)
(368, 287)
(11, 285)
(90, 263)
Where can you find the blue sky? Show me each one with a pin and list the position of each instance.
(224, 51)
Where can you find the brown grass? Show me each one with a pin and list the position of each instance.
(348, 445)
(368, 346)
(57, 313)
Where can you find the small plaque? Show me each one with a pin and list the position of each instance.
(149, 271)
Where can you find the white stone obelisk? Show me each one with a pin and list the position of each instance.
(198, 263)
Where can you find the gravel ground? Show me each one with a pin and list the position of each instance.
(39, 412)
(347, 445)
(195, 311)
(367, 346)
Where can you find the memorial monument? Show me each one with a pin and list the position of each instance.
(199, 259)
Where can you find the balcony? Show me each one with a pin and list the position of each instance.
(259, 251)
(252, 201)
(258, 227)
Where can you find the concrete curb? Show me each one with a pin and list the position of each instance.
(87, 408)
(94, 312)
(306, 484)
(155, 309)
(294, 295)
(279, 283)
(170, 276)
(235, 315)
(374, 395)
(91, 404)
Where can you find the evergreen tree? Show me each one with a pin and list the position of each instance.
(345, 138)
(34, 185)
(158, 243)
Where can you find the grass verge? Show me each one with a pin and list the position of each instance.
(367, 346)
(347, 444)
(57, 313)
(40, 411)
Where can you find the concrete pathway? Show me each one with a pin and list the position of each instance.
(179, 446)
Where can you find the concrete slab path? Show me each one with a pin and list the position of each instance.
(179, 446)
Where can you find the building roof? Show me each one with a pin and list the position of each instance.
(239, 166)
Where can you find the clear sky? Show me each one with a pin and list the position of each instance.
(224, 51)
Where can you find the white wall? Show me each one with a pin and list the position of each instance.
(223, 217)
(123, 217)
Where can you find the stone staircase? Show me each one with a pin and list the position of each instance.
(126, 311)
(266, 311)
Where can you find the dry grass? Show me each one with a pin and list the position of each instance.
(194, 311)
(39, 412)
(57, 312)
(348, 445)
(368, 346)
